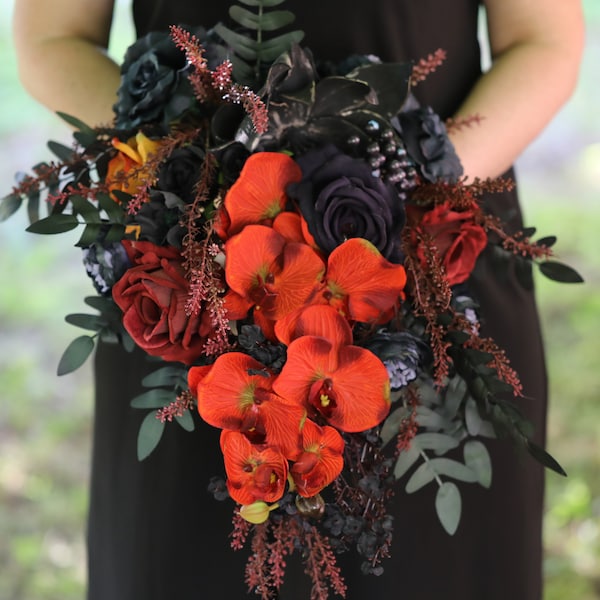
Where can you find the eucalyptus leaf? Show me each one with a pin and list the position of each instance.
(165, 376)
(54, 224)
(439, 442)
(448, 506)
(186, 421)
(149, 435)
(420, 478)
(75, 355)
(76, 123)
(391, 426)
(473, 419)
(154, 398)
(559, 272)
(9, 206)
(477, 458)
(406, 459)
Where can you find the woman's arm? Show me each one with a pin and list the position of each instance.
(61, 52)
(536, 50)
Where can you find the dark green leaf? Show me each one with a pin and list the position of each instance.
(101, 303)
(90, 234)
(269, 21)
(9, 206)
(543, 457)
(448, 505)
(86, 209)
(478, 357)
(54, 224)
(149, 435)
(64, 153)
(75, 122)
(276, 46)
(477, 458)
(33, 207)
(155, 398)
(263, 3)
(76, 354)
(559, 272)
(115, 233)
(548, 241)
(186, 421)
(243, 46)
(528, 232)
(89, 322)
(113, 209)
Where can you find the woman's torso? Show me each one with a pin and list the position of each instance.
(394, 30)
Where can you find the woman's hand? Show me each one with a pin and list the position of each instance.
(61, 51)
(536, 50)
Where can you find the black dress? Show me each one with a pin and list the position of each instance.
(155, 533)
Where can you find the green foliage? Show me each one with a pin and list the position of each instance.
(76, 354)
(149, 435)
(253, 52)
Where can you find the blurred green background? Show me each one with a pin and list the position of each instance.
(45, 420)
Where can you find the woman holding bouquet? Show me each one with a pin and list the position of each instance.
(154, 530)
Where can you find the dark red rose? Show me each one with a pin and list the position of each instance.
(455, 235)
(152, 295)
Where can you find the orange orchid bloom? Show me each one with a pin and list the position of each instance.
(321, 460)
(315, 319)
(265, 271)
(345, 385)
(253, 472)
(258, 195)
(361, 283)
(236, 394)
(130, 159)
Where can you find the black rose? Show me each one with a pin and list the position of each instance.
(340, 198)
(158, 219)
(427, 142)
(231, 160)
(154, 84)
(180, 172)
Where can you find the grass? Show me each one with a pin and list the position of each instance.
(45, 421)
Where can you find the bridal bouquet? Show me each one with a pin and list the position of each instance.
(289, 239)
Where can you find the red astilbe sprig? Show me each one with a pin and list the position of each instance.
(285, 533)
(409, 426)
(177, 408)
(426, 66)
(321, 566)
(431, 295)
(258, 570)
(240, 532)
(218, 84)
(517, 243)
(199, 261)
(459, 123)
